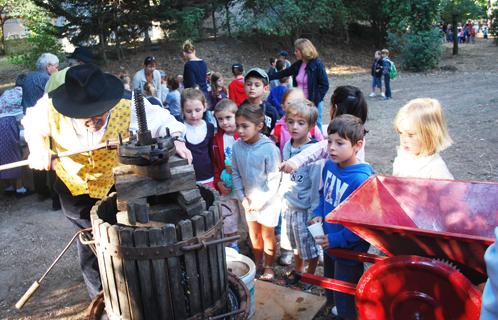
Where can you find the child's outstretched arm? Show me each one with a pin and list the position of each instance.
(315, 172)
(309, 155)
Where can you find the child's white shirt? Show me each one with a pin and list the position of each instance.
(430, 167)
(196, 134)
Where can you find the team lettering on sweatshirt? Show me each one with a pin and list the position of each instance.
(336, 185)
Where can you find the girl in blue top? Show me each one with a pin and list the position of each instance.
(256, 181)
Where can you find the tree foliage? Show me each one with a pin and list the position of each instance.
(418, 51)
(112, 24)
(411, 33)
(455, 11)
(13, 9)
(104, 22)
(40, 28)
(494, 25)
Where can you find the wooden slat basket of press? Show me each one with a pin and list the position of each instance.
(161, 250)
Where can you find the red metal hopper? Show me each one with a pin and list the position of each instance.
(434, 233)
(444, 219)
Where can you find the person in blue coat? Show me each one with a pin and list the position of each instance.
(308, 73)
(489, 309)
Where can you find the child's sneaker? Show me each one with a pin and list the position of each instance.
(372, 94)
(382, 95)
(333, 311)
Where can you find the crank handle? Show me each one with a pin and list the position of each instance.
(27, 295)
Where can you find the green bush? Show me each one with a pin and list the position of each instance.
(36, 45)
(189, 24)
(494, 25)
(418, 51)
(16, 46)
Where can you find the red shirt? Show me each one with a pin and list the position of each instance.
(236, 91)
(219, 155)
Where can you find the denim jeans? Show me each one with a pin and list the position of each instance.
(387, 84)
(345, 303)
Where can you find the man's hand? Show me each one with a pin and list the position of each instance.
(223, 189)
(40, 160)
(287, 167)
(182, 151)
(322, 241)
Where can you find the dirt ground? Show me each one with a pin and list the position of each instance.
(31, 234)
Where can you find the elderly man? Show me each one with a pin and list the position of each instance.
(34, 84)
(80, 55)
(148, 74)
(86, 110)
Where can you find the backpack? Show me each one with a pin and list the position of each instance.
(392, 70)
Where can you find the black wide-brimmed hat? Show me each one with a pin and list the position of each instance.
(87, 92)
(82, 54)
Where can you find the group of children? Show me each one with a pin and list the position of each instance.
(267, 167)
(381, 69)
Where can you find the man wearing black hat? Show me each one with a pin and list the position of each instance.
(86, 110)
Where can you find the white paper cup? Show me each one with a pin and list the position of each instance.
(316, 229)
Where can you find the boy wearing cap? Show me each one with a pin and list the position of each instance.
(148, 74)
(236, 91)
(87, 110)
(80, 55)
(256, 83)
(284, 56)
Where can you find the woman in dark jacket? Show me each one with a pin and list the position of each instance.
(194, 70)
(308, 73)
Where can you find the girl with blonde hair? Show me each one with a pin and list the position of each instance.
(422, 135)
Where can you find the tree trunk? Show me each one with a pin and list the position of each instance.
(147, 40)
(454, 21)
(3, 49)
(346, 33)
(213, 11)
(227, 10)
(102, 40)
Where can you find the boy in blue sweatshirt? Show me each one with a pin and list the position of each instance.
(341, 175)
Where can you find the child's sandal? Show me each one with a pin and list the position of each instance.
(268, 274)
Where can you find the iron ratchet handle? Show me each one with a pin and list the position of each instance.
(34, 287)
(204, 244)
